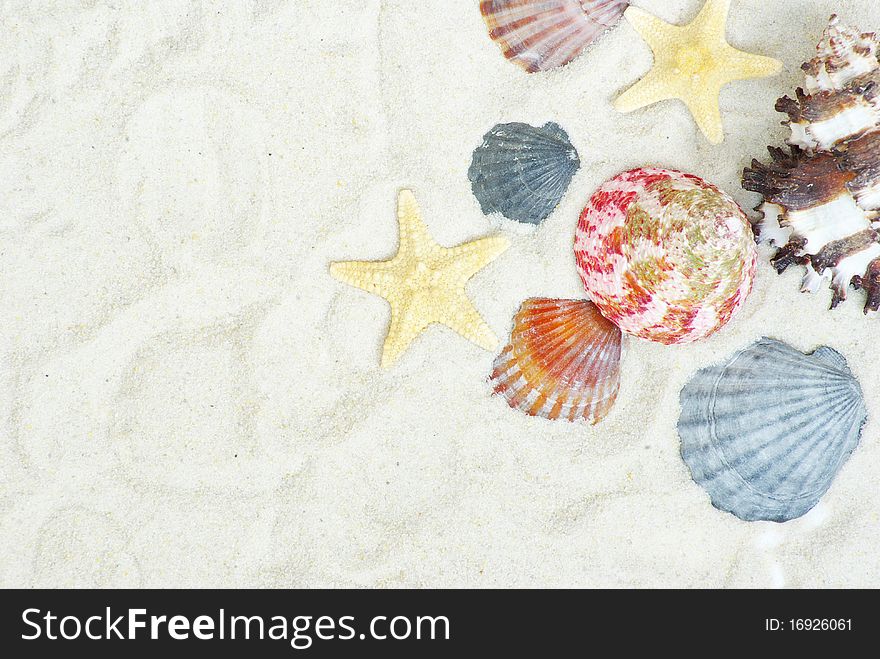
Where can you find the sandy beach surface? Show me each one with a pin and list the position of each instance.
(187, 398)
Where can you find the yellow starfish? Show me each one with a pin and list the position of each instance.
(424, 282)
(692, 63)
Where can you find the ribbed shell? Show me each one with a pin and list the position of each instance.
(766, 432)
(822, 200)
(540, 35)
(665, 255)
(523, 172)
(562, 362)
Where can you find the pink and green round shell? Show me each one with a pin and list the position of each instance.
(665, 255)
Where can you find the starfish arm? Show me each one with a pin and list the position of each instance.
(373, 276)
(409, 318)
(657, 34)
(706, 111)
(692, 62)
(459, 314)
(414, 236)
(713, 17)
(464, 261)
(654, 87)
(424, 282)
(744, 66)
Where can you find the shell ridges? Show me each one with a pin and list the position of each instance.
(562, 361)
(766, 431)
(522, 171)
(541, 35)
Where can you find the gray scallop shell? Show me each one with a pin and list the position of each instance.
(766, 432)
(523, 172)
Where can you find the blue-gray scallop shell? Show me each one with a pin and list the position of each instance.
(523, 172)
(766, 432)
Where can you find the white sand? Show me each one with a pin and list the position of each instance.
(189, 399)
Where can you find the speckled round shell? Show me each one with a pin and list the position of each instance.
(522, 171)
(766, 432)
(664, 255)
(540, 35)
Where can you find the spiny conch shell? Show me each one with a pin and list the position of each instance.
(523, 172)
(665, 255)
(540, 35)
(766, 432)
(562, 362)
(822, 200)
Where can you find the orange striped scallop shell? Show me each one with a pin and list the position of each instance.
(562, 362)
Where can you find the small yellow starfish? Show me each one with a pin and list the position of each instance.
(424, 282)
(692, 63)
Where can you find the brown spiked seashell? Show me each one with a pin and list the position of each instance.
(822, 198)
